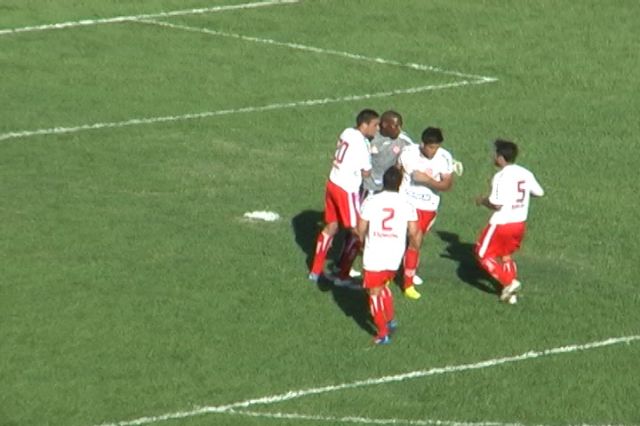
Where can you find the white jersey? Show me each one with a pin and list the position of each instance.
(511, 188)
(387, 213)
(351, 157)
(421, 196)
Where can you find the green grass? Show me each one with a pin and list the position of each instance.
(132, 286)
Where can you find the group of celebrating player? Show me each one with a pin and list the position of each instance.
(385, 190)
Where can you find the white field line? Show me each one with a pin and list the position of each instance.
(118, 19)
(419, 67)
(371, 421)
(273, 399)
(367, 420)
(207, 114)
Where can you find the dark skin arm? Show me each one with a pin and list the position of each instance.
(484, 201)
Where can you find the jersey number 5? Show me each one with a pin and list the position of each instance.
(521, 191)
(390, 214)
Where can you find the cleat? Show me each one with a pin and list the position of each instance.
(314, 278)
(513, 299)
(392, 326)
(411, 293)
(417, 280)
(510, 290)
(384, 340)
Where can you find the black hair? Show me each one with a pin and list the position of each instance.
(387, 115)
(432, 135)
(392, 179)
(365, 116)
(506, 149)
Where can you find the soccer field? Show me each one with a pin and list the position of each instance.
(134, 136)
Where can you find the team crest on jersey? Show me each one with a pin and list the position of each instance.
(374, 149)
(396, 149)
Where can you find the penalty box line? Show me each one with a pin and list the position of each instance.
(377, 421)
(120, 19)
(307, 48)
(470, 79)
(237, 407)
(200, 115)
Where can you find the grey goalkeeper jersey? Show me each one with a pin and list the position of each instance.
(384, 154)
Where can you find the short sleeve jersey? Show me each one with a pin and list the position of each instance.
(511, 188)
(388, 214)
(421, 196)
(351, 157)
(384, 154)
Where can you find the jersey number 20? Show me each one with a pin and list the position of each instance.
(341, 151)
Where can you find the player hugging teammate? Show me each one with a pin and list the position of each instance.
(400, 183)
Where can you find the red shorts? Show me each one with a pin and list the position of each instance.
(373, 279)
(500, 240)
(341, 206)
(426, 219)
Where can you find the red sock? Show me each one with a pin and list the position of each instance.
(387, 302)
(377, 312)
(411, 259)
(510, 271)
(349, 253)
(323, 245)
(496, 271)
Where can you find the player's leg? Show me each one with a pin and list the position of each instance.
(513, 235)
(489, 248)
(389, 310)
(375, 282)
(410, 265)
(325, 238)
(349, 211)
(426, 219)
(323, 244)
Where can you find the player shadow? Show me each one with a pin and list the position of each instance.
(353, 303)
(468, 270)
(306, 226)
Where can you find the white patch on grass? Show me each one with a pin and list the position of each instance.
(262, 215)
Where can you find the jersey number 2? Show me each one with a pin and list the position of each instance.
(390, 214)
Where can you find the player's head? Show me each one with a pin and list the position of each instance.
(391, 179)
(390, 124)
(506, 152)
(431, 140)
(367, 122)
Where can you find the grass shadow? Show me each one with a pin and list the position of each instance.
(306, 226)
(353, 303)
(468, 270)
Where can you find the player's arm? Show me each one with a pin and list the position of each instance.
(493, 201)
(535, 189)
(484, 201)
(361, 229)
(443, 185)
